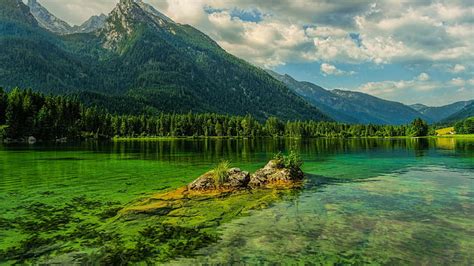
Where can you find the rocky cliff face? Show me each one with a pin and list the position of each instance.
(47, 20)
(54, 24)
(128, 18)
(94, 23)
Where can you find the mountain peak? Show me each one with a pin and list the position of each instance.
(94, 23)
(121, 23)
(47, 20)
(126, 18)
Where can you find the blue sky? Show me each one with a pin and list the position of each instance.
(410, 51)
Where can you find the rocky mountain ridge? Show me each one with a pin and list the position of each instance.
(54, 24)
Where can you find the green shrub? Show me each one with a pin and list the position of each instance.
(220, 172)
(279, 159)
(292, 161)
(3, 132)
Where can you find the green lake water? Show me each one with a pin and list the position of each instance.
(400, 201)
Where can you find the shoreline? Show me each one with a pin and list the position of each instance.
(150, 139)
(125, 139)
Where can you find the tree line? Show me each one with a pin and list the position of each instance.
(25, 113)
(465, 126)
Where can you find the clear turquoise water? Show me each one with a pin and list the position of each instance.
(375, 201)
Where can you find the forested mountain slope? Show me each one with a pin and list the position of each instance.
(466, 112)
(351, 107)
(142, 60)
(440, 113)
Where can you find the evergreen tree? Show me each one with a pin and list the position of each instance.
(419, 128)
(3, 106)
(274, 127)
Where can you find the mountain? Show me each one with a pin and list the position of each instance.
(94, 23)
(140, 61)
(440, 113)
(47, 20)
(466, 112)
(419, 107)
(151, 10)
(50, 22)
(350, 106)
(325, 100)
(14, 11)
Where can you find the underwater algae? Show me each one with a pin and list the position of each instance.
(107, 233)
(364, 201)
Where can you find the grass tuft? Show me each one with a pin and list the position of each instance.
(220, 172)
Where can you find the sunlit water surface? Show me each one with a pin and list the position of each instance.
(365, 200)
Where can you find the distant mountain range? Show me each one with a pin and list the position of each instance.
(136, 60)
(443, 112)
(350, 106)
(356, 107)
(465, 112)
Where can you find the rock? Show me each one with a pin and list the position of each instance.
(236, 179)
(204, 182)
(273, 164)
(273, 173)
(31, 140)
(62, 140)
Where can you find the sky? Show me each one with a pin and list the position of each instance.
(408, 51)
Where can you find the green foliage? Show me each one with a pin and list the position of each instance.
(419, 128)
(3, 132)
(52, 117)
(29, 113)
(465, 126)
(220, 172)
(466, 112)
(3, 106)
(274, 127)
(279, 159)
(292, 161)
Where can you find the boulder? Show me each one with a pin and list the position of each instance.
(274, 173)
(204, 182)
(236, 179)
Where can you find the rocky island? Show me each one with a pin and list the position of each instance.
(273, 174)
(282, 172)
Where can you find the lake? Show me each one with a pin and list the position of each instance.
(381, 201)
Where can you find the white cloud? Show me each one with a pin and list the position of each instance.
(315, 30)
(423, 77)
(458, 68)
(421, 89)
(328, 69)
(458, 82)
